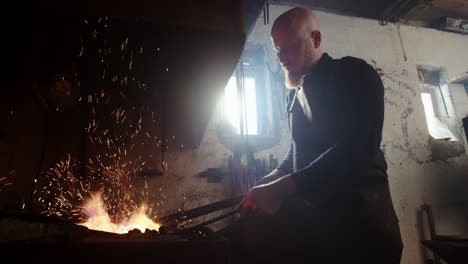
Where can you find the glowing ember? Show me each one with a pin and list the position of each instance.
(7, 181)
(99, 219)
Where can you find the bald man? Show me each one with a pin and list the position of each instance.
(329, 199)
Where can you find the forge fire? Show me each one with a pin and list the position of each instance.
(97, 218)
(106, 200)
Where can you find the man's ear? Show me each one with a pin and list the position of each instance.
(316, 38)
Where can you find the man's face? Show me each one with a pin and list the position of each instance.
(291, 50)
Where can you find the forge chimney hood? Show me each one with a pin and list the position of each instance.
(189, 49)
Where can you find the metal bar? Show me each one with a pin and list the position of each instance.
(199, 211)
(215, 219)
(401, 42)
(443, 101)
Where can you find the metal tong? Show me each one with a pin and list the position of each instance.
(173, 221)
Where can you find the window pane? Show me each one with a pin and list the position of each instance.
(233, 104)
(251, 106)
(436, 127)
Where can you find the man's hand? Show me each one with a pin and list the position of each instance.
(266, 198)
(274, 175)
(261, 199)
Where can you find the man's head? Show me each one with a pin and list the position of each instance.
(296, 38)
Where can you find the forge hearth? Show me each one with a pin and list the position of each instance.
(30, 237)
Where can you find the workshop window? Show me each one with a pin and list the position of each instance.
(252, 103)
(435, 94)
(247, 99)
(240, 105)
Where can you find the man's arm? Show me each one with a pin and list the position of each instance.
(286, 167)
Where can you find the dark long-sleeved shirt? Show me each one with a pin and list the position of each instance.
(339, 147)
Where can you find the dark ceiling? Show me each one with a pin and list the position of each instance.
(425, 13)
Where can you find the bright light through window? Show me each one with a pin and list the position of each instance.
(437, 128)
(428, 106)
(233, 106)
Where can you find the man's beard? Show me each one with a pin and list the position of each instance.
(293, 79)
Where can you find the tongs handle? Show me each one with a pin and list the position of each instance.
(199, 211)
(215, 219)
